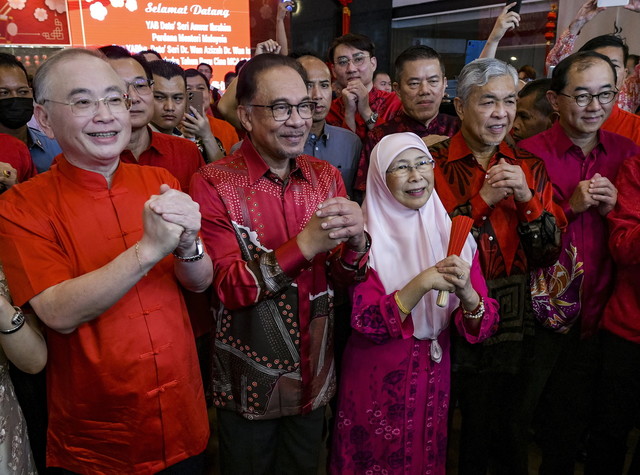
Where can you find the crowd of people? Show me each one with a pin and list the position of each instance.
(332, 260)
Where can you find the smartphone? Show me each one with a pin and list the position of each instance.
(291, 8)
(612, 3)
(196, 100)
(516, 7)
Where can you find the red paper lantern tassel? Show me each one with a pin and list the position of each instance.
(346, 20)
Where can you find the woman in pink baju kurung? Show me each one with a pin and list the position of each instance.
(393, 398)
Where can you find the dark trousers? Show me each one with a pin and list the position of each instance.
(561, 390)
(191, 466)
(288, 445)
(491, 433)
(618, 398)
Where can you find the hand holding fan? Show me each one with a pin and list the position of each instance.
(460, 227)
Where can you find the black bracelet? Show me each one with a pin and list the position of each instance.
(17, 321)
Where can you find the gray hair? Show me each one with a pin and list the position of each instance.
(480, 72)
(42, 78)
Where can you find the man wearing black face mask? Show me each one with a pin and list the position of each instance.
(16, 109)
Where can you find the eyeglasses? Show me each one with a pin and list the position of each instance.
(405, 170)
(89, 107)
(583, 100)
(141, 86)
(357, 60)
(282, 112)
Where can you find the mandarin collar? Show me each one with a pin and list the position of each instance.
(88, 179)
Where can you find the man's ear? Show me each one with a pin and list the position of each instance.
(458, 104)
(374, 61)
(245, 118)
(552, 97)
(44, 119)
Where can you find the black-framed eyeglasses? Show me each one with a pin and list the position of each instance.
(282, 111)
(141, 86)
(583, 100)
(421, 167)
(89, 107)
(357, 60)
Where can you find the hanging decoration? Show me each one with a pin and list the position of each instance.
(550, 27)
(346, 16)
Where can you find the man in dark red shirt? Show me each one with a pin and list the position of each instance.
(180, 156)
(360, 107)
(508, 194)
(282, 234)
(420, 84)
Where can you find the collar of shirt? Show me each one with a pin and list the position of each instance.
(458, 149)
(563, 143)
(33, 139)
(90, 180)
(313, 138)
(257, 167)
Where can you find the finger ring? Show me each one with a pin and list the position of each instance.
(461, 276)
(6, 173)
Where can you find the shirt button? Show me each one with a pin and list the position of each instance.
(484, 218)
(490, 238)
(528, 211)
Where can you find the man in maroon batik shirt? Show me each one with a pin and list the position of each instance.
(282, 234)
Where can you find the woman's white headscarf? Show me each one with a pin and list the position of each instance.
(404, 242)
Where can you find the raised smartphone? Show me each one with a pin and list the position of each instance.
(516, 7)
(196, 100)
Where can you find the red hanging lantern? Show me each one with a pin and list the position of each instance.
(346, 16)
(550, 27)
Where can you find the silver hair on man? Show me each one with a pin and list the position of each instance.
(480, 72)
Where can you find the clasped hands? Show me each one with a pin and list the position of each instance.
(171, 221)
(335, 221)
(503, 180)
(598, 191)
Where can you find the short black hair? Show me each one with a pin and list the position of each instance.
(167, 69)
(247, 85)
(192, 73)
(240, 64)
(415, 53)
(149, 51)
(300, 52)
(354, 40)
(230, 75)
(582, 59)
(10, 61)
(529, 71)
(538, 88)
(604, 41)
(120, 52)
(207, 65)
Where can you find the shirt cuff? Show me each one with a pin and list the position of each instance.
(290, 258)
(529, 210)
(356, 259)
(480, 210)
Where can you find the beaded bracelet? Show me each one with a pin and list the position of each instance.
(476, 313)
